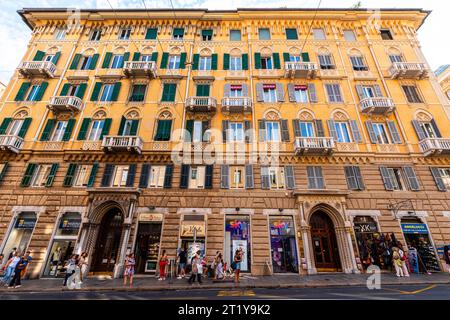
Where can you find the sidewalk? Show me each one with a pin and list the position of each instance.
(247, 282)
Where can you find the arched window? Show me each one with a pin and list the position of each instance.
(164, 126)
(358, 61)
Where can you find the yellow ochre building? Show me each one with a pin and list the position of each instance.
(313, 140)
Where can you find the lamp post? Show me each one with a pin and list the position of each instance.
(404, 204)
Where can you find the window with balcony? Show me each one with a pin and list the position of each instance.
(41, 174)
(326, 62)
(146, 58)
(301, 93)
(96, 130)
(129, 127)
(197, 177)
(157, 177)
(319, 34)
(138, 93)
(334, 93)
(307, 129)
(125, 33)
(48, 57)
(60, 33)
(207, 35)
(14, 127)
(178, 33)
(343, 132)
(203, 90)
(117, 61)
(96, 35)
(235, 35)
(235, 63)
(429, 130)
(291, 34)
(349, 35)
(107, 92)
(270, 93)
(174, 62)
(412, 94)
(59, 130)
(386, 34)
(205, 63)
(395, 58)
(381, 133)
(358, 63)
(264, 34)
(236, 91)
(273, 132)
(120, 176)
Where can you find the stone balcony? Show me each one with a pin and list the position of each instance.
(11, 143)
(122, 143)
(435, 146)
(140, 69)
(201, 104)
(300, 70)
(314, 145)
(377, 106)
(237, 104)
(407, 70)
(37, 68)
(65, 103)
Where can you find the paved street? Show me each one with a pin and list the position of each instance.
(389, 292)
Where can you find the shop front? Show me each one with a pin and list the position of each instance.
(422, 253)
(283, 244)
(20, 233)
(237, 237)
(62, 244)
(193, 235)
(148, 242)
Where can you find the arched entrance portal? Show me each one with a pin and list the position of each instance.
(325, 247)
(107, 246)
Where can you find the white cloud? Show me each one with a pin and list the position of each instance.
(14, 34)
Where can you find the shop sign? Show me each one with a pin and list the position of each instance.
(414, 228)
(150, 217)
(365, 227)
(25, 223)
(70, 224)
(188, 228)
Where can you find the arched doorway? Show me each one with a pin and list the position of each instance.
(325, 247)
(107, 246)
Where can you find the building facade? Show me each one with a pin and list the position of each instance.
(443, 76)
(2, 88)
(307, 142)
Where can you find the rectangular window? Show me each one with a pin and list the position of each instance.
(205, 63)
(235, 35)
(412, 95)
(237, 177)
(368, 91)
(117, 62)
(107, 92)
(264, 34)
(445, 176)
(157, 175)
(138, 93)
(236, 132)
(127, 127)
(32, 95)
(14, 128)
(395, 58)
(58, 132)
(301, 94)
(381, 133)
(82, 175)
(293, 58)
(198, 131)
(326, 62)
(276, 178)
(386, 34)
(342, 132)
(207, 35)
(319, 34)
(266, 63)
(174, 62)
(291, 34)
(349, 35)
(96, 35)
(60, 33)
(169, 91)
(358, 63)
(96, 130)
(273, 133)
(146, 57)
(334, 93)
(86, 63)
(235, 63)
(428, 128)
(120, 176)
(315, 178)
(178, 33)
(236, 92)
(48, 58)
(396, 178)
(307, 129)
(197, 177)
(270, 93)
(40, 175)
(354, 178)
(125, 34)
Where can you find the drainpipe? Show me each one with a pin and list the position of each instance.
(250, 67)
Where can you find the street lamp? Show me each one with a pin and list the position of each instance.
(404, 204)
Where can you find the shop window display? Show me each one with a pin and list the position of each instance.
(20, 234)
(147, 247)
(237, 236)
(283, 245)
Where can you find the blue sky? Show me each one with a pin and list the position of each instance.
(14, 34)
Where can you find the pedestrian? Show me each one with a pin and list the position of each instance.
(447, 257)
(404, 259)
(20, 267)
(182, 261)
(130, 262)
(219, 268)
(397, 262)
(163, 260)
(10, 267)
(237, 264)
(2, 264)
(197, 268)
(12, 253)
(70, 268)
(27, 263)
(83, 264)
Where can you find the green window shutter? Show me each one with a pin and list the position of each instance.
(226, 61)
(69, 129)
(106, 128)
(305, 57)
(168, 177)
(145, 174)
(136, 56)
(51, 176)
(22, 91)
(3, 172)
(151, 34)
(286, 57)
(75, 62)
(214, 59)
(116, 91)
(245, 61)
(5, 125)
(163, 130)
(107, 60)
(25, 126)
(276, 60)
(84, 129)
(94, 61)
(56, 57)
(122, 126)
(126, 57)
(41, 92)
(134, 127)
(169, 92)
(93, 174)
(65, 89)
(81, 90)
(39, 56)
(154, 57)
(196, 61)
(257, 60)
(96, 92)
(68, 180)
(164, 60)
(183, 60)
(202, 90)
(189, 131)
(26, 180)
(48, 130)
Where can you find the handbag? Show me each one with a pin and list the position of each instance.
(233, 265)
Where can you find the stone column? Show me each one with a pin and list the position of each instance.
(126, 231)
(306, 236)
(348, 231)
